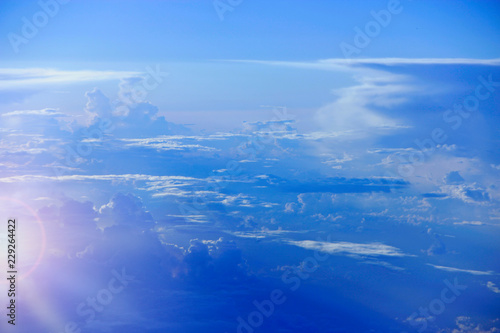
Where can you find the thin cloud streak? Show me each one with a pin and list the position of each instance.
(29, 77)
(458, 270)
(342, 64)
(371, 249)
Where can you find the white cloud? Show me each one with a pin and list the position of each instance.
(412, 61)
(128, 118)
(458, 270)
(193, 218)
(125, 177)
(491, 286)
(470, 223)
(42, 112)
(124, 209)
(34, 77)
(371, 249)
(466, 325)
(162, 143)
(467, 193)
(353, 108)
(262, 233)
(240, 200)
(343, 64)
(98, 105)
(26, 143)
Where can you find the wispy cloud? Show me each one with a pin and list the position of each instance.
(370, 249)
(458, 270)
(263, 233)
(353, 109)
(165, 144)
(125, 177)
(413, 61)
(470, 223)
(43, 112)
(33, 77)
(491, 286)
(342, 63)
(192, 218)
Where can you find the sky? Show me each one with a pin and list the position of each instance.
(251, 166)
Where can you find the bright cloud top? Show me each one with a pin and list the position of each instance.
(371, 249)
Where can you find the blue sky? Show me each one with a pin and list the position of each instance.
(96, 32)
(252, 166)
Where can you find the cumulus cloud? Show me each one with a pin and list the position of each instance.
(129, 118)
(127, 239)
(125, 209)
(209, 262)
(98, 105)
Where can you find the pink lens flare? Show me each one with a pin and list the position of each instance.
(42, 235)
